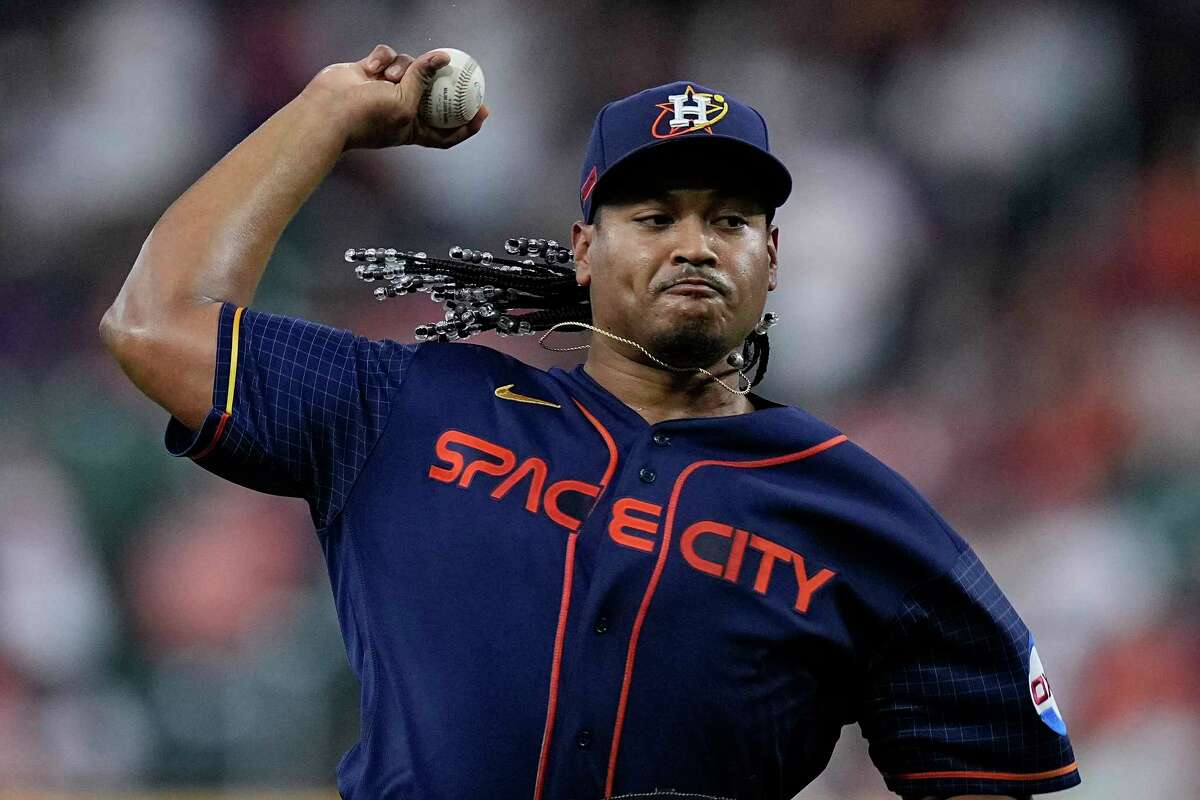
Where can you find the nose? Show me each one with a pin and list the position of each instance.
(693, 242)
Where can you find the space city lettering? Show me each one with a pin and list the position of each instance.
(499, 461)
(710, 547)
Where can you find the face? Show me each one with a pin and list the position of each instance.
(681, 266)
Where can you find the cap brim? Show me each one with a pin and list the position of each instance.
(776, 181)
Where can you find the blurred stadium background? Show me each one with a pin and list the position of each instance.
(990, 277)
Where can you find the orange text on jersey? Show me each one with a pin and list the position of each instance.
(634, 523)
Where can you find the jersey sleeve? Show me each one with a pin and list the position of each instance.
(957, 701)
(297, 407)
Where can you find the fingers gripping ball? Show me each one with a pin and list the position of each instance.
(456, 92)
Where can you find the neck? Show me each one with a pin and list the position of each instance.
(658, 394)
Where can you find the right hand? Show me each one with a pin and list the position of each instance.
(376, 100)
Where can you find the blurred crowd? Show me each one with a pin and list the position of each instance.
(990, 278)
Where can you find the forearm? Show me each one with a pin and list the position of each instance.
(213, 243)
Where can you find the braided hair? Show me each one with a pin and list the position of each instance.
(527, 293)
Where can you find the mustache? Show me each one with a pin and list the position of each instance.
(713, 279)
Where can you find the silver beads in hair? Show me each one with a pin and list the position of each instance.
(768, 320)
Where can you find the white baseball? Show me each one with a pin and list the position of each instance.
(456, 92)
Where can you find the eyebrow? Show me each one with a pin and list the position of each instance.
(719, 195)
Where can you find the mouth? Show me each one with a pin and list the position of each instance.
(696, 287)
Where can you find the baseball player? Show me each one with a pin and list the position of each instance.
(635, 578)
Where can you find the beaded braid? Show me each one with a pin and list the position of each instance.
(483, 292)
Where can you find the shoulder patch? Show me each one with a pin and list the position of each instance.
(1041, 695)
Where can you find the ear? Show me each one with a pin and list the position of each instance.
(582, 235)
(773, 255)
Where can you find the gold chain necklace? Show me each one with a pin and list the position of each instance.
(542, 341)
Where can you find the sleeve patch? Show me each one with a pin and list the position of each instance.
(1040, 693)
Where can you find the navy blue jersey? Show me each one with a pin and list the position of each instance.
(543, 596)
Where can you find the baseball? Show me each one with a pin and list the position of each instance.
(456, 92)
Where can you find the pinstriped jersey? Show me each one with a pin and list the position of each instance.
(544, 596)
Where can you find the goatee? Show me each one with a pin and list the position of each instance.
(691, 344)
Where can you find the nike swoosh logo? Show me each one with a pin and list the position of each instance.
(506, 393)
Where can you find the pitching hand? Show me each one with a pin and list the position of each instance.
(375, 100)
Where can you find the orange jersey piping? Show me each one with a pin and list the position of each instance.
(564, 608)
(999, 776)
(658, 568)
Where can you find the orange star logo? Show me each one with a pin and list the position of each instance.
(689, 112)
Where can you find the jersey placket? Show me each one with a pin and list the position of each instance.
(611, 573)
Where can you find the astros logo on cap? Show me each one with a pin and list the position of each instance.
(681, 116)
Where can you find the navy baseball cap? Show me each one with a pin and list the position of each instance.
(678, 112)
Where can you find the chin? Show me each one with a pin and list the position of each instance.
(690, 343)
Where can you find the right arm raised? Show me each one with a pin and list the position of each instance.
(213, 243)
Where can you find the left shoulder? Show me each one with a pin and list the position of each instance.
(877, 499)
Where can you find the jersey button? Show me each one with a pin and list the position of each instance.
(647, 475)
(661, 439)
(601, 625)
(583, 739)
